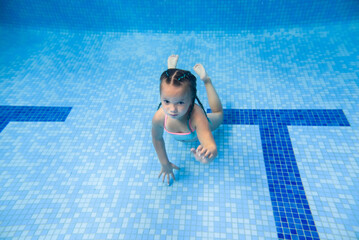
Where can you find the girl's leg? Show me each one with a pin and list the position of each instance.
(215, 104)
(172, 61)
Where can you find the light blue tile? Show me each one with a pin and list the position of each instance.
(94, 176)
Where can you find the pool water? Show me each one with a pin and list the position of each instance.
(77, 99)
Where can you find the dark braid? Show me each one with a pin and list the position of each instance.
(199, 102)
(178, 77)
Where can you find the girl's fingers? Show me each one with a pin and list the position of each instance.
(203, 152)
(168, 172)
(175, 167)
(164, 177)
(205, 160)
(200, 150)
(197, 157)
(193, 150)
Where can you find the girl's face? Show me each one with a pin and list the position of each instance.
(175, 100)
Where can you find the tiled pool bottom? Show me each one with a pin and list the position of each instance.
(94, 174)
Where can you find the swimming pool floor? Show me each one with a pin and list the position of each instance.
(76, 156)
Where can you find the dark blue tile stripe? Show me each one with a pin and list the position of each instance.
(291, 209)
(32, 114)
(311, 117)
(290, 205)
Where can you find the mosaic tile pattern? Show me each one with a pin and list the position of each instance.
(332, 193)
(94, 176)
(291, 209)
(170, 16)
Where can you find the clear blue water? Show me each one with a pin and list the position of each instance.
(79, 87)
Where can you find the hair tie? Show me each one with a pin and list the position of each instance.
(179, 79)
(167, 73)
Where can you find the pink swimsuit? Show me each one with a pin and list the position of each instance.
(192, 135)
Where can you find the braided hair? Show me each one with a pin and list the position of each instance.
(178, 77)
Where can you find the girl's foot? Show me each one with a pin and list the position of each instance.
(199, 69)
(172, 61)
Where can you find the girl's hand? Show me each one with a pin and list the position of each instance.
(204, 155)
(167, 170)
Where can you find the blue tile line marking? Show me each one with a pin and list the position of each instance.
(32, 114)
(291, 209)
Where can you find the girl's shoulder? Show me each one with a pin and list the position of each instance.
(197, 110)
(159, 117)
(198, 116)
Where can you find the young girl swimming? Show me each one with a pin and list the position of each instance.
(182, 118)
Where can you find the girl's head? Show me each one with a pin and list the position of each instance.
(178, 92)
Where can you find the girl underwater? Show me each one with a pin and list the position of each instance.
(181, 117)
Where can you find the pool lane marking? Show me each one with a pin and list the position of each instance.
(291, 209)
(292, 214)
(32, 114)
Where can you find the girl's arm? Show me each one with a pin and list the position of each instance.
(159, 145)
(208, 147)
